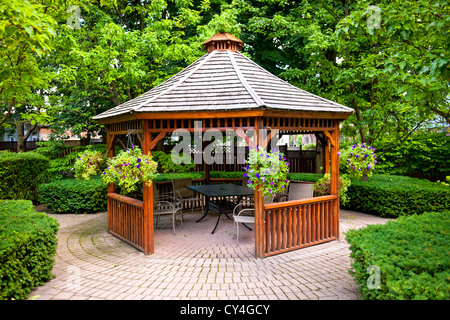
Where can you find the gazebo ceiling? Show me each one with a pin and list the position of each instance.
(225, 80)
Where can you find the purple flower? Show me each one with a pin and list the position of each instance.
(138, 159)
(245, 175)
(369, 166)
(357, 156)
(270, 190)
(339, 153)
(271, 183)
(138, 166)
(249, 181)
(267, 171)
(257, 175)
(287, 163)
(365, 156)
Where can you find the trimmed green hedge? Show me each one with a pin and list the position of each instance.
(27, 248)
(21, 173)
(412, 255)
(74, 196)
(393, 196)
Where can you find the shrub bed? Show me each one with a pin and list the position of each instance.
(393, 196)
(411, 254)
(21, 173)
(74, 196)
(27, 248)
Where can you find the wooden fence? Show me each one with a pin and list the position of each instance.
(12, 145)
(300, 161)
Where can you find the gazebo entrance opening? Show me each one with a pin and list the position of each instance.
(227, 92)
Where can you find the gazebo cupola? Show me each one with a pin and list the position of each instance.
(223, 41)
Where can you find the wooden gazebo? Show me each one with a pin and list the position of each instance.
(227, 91)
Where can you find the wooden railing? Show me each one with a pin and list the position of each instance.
(126, 219)
(288, 225)
(297, 224)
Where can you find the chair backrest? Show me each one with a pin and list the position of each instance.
(300, 191)
(180, 184)
(268, 200)
(155, 193)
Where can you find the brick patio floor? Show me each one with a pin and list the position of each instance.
(195, 264)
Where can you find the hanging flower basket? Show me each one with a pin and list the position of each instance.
(359, 161)
(129, 169)
(89, 163)
(267, 169)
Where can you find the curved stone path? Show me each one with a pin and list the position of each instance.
(194, 264)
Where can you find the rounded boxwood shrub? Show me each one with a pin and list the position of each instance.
(21, 173)
(411, 255)
(74, 196)
(27, 248)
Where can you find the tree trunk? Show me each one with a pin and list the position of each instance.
(22, 137)
(20, 130)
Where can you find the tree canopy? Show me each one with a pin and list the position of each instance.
(65, 61)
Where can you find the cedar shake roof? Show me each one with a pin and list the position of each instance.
(224, 79)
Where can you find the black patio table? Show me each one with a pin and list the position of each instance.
(216, 198)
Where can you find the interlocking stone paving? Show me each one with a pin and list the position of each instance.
(195, 264)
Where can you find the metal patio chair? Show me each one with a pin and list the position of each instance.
(166, 204)
(245, 214)
(186, 196)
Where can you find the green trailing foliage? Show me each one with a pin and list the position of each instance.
(411, 255)
(323, 187)
(267, 171)
(74, 196)
(27, 248)
(21, 173)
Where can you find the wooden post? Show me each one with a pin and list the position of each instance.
(111, 188)
(259, 208)
(110, 138)
(149, 245)
(334, 177)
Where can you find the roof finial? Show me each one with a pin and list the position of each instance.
(223, 41)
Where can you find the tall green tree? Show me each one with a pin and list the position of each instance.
(121, 50)
(392, 69)
(27, 30)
